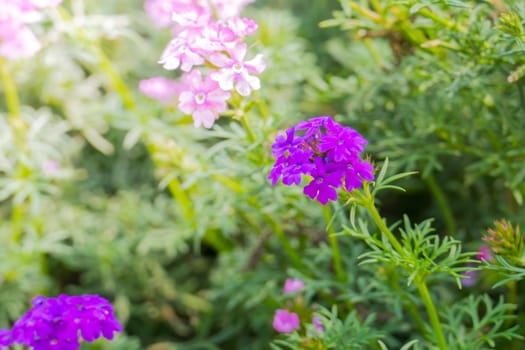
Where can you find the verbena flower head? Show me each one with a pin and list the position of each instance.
(16, 38)
(325, 151)
(285, 321)
(61, 323)
(208, 37)
(204, 100)
(292, 285)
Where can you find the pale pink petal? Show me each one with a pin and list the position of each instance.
(243, 26)
(238, 52)
(254, 82)
(205, 118)
(243, 88)
(256, 64)
(220, 60)
(225, 79)
(186, 102)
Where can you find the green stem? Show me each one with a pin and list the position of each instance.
(442, 202)
(263, 108)
(16, 223)
(368, 202)
(370, 206)
(444, 22)
(366, 12)
(249, 131)
(432, 314)
(376, 6)
(338, 262)
(11, 96)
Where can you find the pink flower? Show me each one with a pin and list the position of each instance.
(16, 39)
(292, 285)
(194, 18)
(242, 26)
(216, 37)
(234, 72)
(484, 253)
(160, 88)
(180, 53)
(204, 100)
(229, 8)
(23, 44)
(285, 321)
(161, 11)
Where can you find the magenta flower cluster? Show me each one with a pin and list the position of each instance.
(61, 323)
(17, 40)
(208, 47)
(324, 150)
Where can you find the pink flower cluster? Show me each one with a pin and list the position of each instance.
(16, 38)
(285, 321)
(208, 47)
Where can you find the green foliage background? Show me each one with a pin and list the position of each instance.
(180, 228)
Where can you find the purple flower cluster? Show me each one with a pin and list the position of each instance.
(61, 323)
(324, 150)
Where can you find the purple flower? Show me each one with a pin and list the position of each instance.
(6, 338)
(470, 277)
(285, 321)
(60, 323)
(341, 144)
(326, 151)
(326, 178)
(292, 285)
(316, 321)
